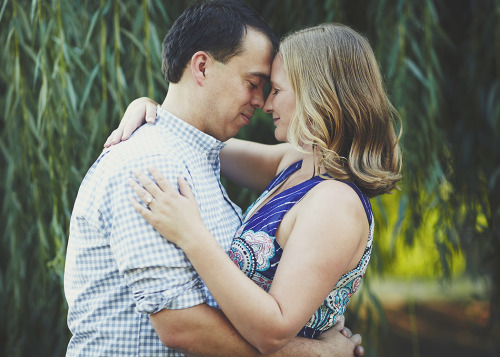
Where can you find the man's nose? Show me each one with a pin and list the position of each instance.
(258, 99)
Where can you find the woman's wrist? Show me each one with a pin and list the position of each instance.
(194, 239)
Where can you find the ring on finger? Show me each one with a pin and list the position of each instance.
(149, 200)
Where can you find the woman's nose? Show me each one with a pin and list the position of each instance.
(268, 107)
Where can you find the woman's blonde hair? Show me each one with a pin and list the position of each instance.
(342, 108)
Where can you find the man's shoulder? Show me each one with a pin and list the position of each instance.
(116, 163)
(147, 145)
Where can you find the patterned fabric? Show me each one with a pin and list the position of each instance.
(118, 268)
(257, 252)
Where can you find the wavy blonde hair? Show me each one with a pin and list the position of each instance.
(342, 108)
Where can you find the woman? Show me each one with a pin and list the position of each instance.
(314, 218)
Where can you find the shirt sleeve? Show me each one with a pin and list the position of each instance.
(158, 273)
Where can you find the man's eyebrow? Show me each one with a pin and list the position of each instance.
(261, 75)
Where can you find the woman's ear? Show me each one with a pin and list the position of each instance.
(199, 64)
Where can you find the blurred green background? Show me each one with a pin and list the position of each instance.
(69, 68)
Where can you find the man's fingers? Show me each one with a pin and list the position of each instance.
(340, 324)
(346, 332)
(356, 339)
(359, 351)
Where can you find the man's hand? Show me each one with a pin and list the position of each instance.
(341, 339)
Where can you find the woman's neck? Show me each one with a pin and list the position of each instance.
(310, 162)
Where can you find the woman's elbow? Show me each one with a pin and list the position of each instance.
(170, 334)
(172, 339)
(267, 349)
(270, 344)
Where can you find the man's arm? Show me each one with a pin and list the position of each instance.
(205, 331)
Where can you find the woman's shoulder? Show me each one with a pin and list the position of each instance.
(330, 188)
(335, 199)
(333, 214)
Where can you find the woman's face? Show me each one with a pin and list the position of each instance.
(281, 101)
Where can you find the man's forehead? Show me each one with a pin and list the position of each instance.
(257, 49)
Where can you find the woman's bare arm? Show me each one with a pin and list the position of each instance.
(326, 241)
(249, 164)
(254, 165)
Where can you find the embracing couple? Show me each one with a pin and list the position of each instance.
(160, 262)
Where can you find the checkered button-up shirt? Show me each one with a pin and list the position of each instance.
(119, 270)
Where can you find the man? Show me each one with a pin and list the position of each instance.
(129, 291)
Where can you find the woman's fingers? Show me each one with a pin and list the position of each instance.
(143, 211)
(143, 194)
(150, 190)
(113, 138)
(149, 184)
(132, 120)
(151, 112)
(184, 189)
(141, 110)
(161, 180)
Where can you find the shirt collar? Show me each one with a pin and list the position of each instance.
(195, 138)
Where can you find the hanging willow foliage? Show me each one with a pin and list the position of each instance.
(68, 69)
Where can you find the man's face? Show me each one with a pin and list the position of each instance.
(236, 88)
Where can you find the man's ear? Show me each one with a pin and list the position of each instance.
(199, 64)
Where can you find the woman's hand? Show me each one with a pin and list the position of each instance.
(175, 216)
(138, 112)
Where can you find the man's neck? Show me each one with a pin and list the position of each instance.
(179, 102)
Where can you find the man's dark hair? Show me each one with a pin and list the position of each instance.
(216, 27)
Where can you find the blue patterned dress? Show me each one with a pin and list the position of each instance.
(257, 252)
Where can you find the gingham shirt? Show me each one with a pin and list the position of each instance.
(118, 268)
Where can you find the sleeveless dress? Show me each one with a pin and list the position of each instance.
(257, 253)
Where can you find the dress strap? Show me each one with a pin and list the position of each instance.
(276, 181)
(364, 200)
(270, 215)
(283, 175)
